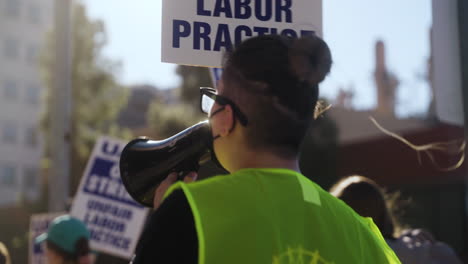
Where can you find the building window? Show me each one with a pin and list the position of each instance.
(30, 178)
(12, 8)
(32, 95)
(10, 90)
(31, 54)
(31, 137)
(9, 132)
(10, 48)
(8, 175)
(34, 14)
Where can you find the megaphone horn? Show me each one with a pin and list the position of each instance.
(144, 163)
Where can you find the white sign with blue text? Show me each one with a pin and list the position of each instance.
(114, 219)
(196, 32)
(39, 224)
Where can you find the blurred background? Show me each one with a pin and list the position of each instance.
(383, 67)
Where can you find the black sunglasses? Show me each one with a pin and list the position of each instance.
(208, 97)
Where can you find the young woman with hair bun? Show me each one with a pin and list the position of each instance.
(265, 210)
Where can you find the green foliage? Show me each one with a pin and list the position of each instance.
(166, 120)
(15, 235)
(97, 98)
(14, 229)
(192, 79)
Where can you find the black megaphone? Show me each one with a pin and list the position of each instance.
(144, 163)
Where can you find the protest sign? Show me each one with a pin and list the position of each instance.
(39, 224)
(114, 219)
(197, 32)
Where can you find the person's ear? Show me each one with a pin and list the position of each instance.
(227, 121)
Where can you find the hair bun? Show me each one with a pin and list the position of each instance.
(310, 59)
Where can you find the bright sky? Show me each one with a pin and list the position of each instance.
(351, 29)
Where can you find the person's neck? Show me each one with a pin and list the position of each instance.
(265, 159)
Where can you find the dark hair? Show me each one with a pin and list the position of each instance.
(368, 200)
(81, 249)
(274, 80)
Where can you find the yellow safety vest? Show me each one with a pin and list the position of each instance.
(278, 216)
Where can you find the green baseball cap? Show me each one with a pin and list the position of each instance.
(64, 232)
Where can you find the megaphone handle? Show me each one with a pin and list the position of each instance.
(181, 175)
(187, 166)
(186, 170)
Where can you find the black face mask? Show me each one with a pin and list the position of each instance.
(144, 163)
(217, 136)
(214, 159)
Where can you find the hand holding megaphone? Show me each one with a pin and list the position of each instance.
(166, 183)
(145, 164)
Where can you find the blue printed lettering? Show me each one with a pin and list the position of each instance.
(38, 248)
(201, 10)
(95, 235)
(223, 39)
(104, 184)
(181, 29)
(95, 219)
(286, 9)
(238, 33)
(126, 243)
(117, 241)
(112, 187)
(260, 30)
(289, 33)
(205, 37)
(114, 172)
(92, 184)
(268, 10)
(222, 6)
(242, 9)
(114, 151)
(113, 210)
(307, 32)
(201, 30)
(109, 188)
(263, 9)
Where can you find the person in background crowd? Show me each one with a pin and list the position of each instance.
(265, 210)
(413, 246)
(4, 255)
(67, 241)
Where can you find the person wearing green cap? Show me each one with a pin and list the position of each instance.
(67, 241)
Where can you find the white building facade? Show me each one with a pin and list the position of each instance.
(23, 24)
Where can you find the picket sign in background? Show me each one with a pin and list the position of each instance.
(115, 220)
(197, 32)
(39, 224)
